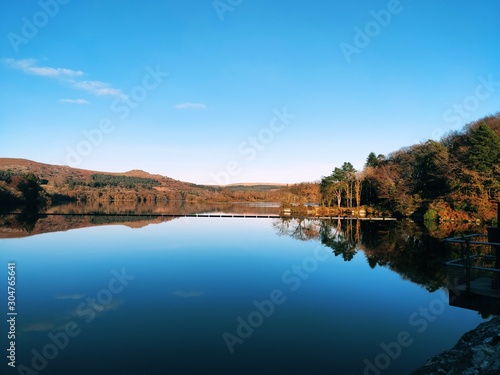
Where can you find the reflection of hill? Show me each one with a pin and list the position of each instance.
(15, 226)
(170, 207)
(412, 251)
(79, 215)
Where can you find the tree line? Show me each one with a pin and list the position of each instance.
(456, 177)
(106, 180)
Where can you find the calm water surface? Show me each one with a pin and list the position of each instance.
(225, 296)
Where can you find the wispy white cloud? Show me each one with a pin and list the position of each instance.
(98, 88)
(29, 66)
(191, 106)
(69, 76)
(74, 101)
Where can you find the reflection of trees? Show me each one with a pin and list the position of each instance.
(27, 220)
(403, 246)
(341, 237)
(342, 241)
(409, 250)
(298, 228)
(18, 225)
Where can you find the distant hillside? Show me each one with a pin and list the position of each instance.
(59, 174)
(254, 187)
(58, 184)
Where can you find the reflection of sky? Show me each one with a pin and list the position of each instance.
(194, 277)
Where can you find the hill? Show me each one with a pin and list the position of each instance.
(52, 184)
(59, 174)
(83, 184)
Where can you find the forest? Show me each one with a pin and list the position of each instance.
(106, 180)
(455, 178)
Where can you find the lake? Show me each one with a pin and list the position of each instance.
(198, 295)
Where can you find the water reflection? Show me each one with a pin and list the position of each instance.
(410, 249)
(19, 225)
(342, 239)
(194, 278)
(415, 252)
(299, 229)
(405, 247)
(27, 220)
(135, 215)
(170, 207)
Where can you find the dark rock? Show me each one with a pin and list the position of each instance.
(495, 340)
(476, 353)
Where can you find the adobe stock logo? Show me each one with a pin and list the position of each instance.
(223, 6)
(31, 26)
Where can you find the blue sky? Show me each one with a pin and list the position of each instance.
(230, 91)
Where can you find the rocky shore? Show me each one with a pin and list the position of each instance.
(476, 353)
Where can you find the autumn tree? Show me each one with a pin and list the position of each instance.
(460, 171)
(358, 180)
(348, 176)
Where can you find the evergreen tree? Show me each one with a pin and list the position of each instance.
(371, 160)
(484, 151)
